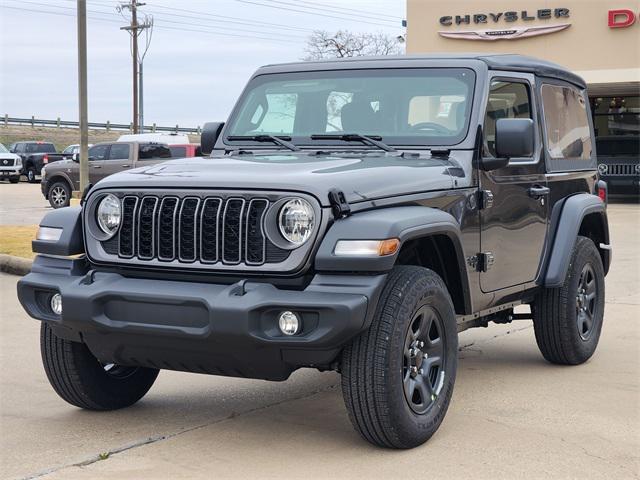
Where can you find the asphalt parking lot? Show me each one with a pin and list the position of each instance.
(512, 414)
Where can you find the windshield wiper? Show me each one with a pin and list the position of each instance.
(374, 141)
(282, 141)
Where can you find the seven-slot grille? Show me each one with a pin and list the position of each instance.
(621, 169)
(192, 229)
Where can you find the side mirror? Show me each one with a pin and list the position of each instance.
(210, 133)
(514, 137)
(75, 157)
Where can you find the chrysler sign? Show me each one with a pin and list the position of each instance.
(501, 21)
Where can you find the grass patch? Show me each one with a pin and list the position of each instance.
(16, 240)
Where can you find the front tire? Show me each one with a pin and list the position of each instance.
(81, 380)
(14, 179)
(398, 376)
(568, 320)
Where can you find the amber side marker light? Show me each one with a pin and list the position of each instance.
(369, 248)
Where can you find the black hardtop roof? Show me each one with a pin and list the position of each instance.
(506, 62)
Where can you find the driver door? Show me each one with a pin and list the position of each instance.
(515, 212)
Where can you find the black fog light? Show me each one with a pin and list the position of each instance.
(289, 323)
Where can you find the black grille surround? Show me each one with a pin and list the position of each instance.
(211, 230)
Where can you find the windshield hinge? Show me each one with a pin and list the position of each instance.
(440, 152)
(485, 199)
(339, 204)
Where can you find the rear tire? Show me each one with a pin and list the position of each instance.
(81, 380)
(398, 376)
(568, 320)
(59, 195)
(31, 175)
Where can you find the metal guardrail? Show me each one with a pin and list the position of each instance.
(7, 120)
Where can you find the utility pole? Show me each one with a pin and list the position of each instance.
(82, 94)
(132, 28)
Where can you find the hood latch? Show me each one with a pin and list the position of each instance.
(339, 204)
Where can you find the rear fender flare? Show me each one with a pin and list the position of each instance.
(565, 229)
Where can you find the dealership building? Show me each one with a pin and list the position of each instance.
(599, 40)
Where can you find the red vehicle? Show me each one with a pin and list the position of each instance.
(185, 150)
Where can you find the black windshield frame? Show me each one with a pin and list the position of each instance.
(413, 141)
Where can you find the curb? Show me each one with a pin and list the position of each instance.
(14, 265)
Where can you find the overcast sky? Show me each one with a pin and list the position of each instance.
(201, 55)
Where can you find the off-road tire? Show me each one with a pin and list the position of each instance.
(31, 175)
(555, 311)
(14, 179)
(78, 377)
(372, 365)
(60, 187)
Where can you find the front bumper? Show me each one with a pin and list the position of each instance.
(200, 327)
(623, 185)
(10, 172)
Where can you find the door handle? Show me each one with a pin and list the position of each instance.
(537, 191)
(96, 166)
(125, 166)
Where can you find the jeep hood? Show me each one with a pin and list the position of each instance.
(361, 176)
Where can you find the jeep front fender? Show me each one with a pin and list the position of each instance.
(567, 219)
(71, 241)
(404, 223)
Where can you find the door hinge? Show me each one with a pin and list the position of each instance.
(339, 204)
(485, 199)
(482, 261)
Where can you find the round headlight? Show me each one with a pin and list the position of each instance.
(296, 221)
(109, 214)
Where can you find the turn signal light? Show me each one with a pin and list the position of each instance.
(371, 248)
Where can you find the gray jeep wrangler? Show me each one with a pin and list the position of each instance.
(352, 216)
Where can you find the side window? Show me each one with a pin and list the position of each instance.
(68, 150)
(119, 151)
(506, 100)
(99, 152)
(19, 148)
(568, 135)
(151, 151)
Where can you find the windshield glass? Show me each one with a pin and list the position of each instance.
(427, 106)
(3, 149)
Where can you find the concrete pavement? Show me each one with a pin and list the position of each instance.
(512, 414)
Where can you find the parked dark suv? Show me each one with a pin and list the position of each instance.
(619, 163)
(360, 214)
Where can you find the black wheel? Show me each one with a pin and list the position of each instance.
(59, 195)
(398, 376)
(31, 175)
(15, 179)
(568, 319)
(81, 380)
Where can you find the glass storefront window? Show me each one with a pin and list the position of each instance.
(614, 116)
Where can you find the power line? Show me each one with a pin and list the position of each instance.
(315, 13)
(220, 33)
(56, 13)
(316, 4)
(227, 20)
(332, 9)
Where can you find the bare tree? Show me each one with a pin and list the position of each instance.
(322, 44)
